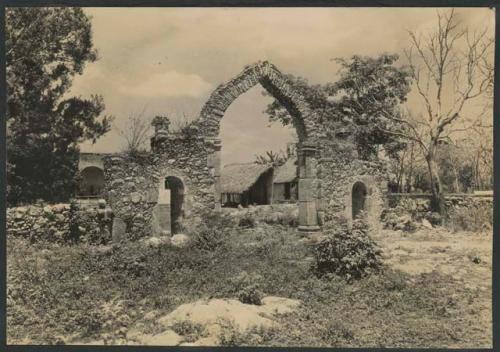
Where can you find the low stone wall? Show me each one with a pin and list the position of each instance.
(419, 204)
(469, 210)
(59, 223)
(284, 214)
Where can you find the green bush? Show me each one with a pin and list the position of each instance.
(247, 288)
(212, 231)
(474, 218)
(188, 330)
(349, 253)
(335, 332)
(434, 218)
(247, 221)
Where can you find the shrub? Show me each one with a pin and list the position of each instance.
(212, 231)
(335, 332)
(189, 330)
(250, 295)
(230, 334)
(349, 253)
(247, 288)
(434, 218)
(247, 220)
(473, 218)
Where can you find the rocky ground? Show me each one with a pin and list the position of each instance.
(465, 256)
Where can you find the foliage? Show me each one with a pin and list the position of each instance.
(247, 220)
(136, 133)
(45, 48)
(477, 218)
(314, 95)
(366, 89)
(247, 288)
(188, 330)
(349, 253)
(451, 67)
(51, 289)
(273, 158)
(212, 231)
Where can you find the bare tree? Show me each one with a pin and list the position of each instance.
(136, 132)
(451, 67)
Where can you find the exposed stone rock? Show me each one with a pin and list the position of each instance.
(156, 242)
(180, 240)
(427, 224)
(166, 338)
(212, 313)
(119, 229)
(135, 197)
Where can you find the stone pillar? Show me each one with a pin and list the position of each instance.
(214, 162)
(308, 217)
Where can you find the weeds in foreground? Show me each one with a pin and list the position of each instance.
(61, 291)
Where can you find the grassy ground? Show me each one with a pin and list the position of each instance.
(434, 292)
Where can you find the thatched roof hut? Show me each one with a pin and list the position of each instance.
(237, 178)
(246, 183)
(286, 172)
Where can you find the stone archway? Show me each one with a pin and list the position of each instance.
(304, 121)
(169, 209)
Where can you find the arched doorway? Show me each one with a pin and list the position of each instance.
(175, 187)
(359, 193)
(274, 82)
(92, 182)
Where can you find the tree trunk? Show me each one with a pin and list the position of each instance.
(437, 200)
(410, 173)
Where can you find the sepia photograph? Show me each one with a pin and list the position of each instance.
(249, 176)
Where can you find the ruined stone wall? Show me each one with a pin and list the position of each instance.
(339, 168)
(419, 205)
(56, 223)
(465, 212)
(132, 182)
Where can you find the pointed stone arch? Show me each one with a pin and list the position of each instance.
(303, 117)
(273, 81)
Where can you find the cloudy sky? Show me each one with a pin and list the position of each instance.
(168, 60)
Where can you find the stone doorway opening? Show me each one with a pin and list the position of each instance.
(302, 118)
(175, 187)
(359, 194)
(92, 182)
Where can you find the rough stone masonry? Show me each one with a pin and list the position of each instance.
(328, 166)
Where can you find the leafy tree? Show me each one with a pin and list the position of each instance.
(366, 90)
(45, 49)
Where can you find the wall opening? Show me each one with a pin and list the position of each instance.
(176, 188)
(359, 193)
(296, 113)
(92, 182)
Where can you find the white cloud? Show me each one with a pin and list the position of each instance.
(169, 84)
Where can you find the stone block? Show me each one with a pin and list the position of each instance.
(119, 229)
